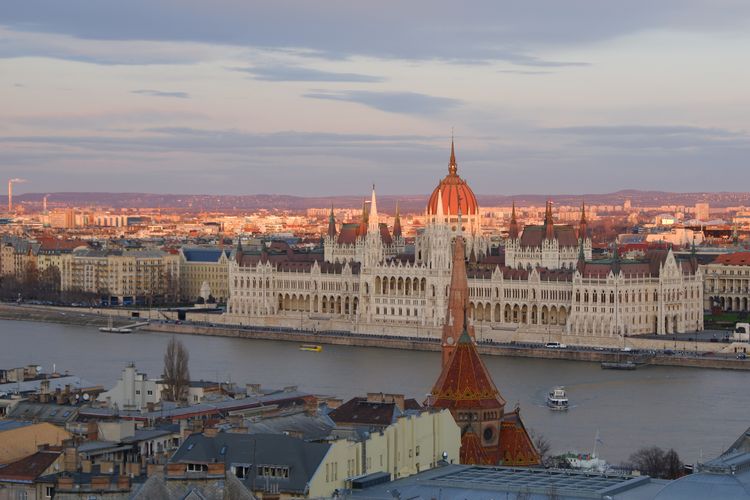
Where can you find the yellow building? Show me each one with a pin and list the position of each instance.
(17, 442)
(199, 265)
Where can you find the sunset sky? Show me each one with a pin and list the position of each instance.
(319, 98)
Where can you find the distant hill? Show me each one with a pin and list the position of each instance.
(409, 203)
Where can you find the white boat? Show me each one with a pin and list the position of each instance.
(587, 461)
(557, 399)
(114, 329)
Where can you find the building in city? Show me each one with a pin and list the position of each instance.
(727, 282)
(543, 282)
(123, 277)
(202, 267)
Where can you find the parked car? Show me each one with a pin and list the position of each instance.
(742, 355)
(555, 345)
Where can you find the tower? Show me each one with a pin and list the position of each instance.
(458, 298)
(373, 249)
(489, 435)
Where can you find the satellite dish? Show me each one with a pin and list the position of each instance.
(78, 396)
(39, 369)
(86, 397)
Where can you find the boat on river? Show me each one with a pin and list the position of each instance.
(557, 399)
(110, 328)
(311, 347)
(626, 365)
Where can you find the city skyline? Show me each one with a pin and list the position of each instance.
(237, 98)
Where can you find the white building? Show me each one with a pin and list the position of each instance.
(544, 281)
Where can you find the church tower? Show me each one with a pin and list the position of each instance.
(458, 298)
(489, 435)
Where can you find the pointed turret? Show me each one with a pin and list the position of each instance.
(362, 230)
(513, 229)
(549, 224)
(397, 223)
(239, 252)
(458, 299)
(583, 224)
(373, 223)
(452, 165)
(581, 264)
(331, 224)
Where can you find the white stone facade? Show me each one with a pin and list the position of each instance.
(540, 289)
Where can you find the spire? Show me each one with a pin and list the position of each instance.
(458, 297)
(362, 229)
(397, 223)
(513, 229)
(439, 209)
(452, 165)
(373, 223)
(583, 224)
(549, 225)
(331, 224)
(238, 253)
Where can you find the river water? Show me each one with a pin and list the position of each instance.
(697, 412)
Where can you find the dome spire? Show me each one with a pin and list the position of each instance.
(331, 223)
(452, 165)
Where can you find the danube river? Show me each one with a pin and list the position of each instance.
(697, 412)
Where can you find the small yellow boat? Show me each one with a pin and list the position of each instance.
(311, 347)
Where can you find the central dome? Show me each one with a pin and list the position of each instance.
(454, 192)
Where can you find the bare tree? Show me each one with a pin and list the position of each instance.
(176, 375)
(655, 462)
(542, 445)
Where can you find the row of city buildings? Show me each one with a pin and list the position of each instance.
(365, 276)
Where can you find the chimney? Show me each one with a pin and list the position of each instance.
(70, 458)
(211, 432)
(100, 483)
(86, 466)
(123, 483)
(64, 483)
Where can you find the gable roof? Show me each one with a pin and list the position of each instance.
(361, 412)
(533, 236)
(29, 468)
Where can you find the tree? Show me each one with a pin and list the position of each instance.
(542, 445)
(176, 375)
(655, 462)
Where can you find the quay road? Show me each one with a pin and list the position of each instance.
(703, 357)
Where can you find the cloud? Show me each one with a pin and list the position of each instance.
(658, 137)
(410, 103)
(524, 72)
(482, 30)
(161, 93)
(280, 73)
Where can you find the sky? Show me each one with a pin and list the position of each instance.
(327, 97)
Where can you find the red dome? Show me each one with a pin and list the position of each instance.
(455, 191)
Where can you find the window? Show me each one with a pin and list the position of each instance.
(150, 393)
(49, 491)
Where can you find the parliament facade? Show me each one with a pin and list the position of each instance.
(544, 280)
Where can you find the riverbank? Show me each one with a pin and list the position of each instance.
(100, 317)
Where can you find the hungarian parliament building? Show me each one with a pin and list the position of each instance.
(542, 281)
